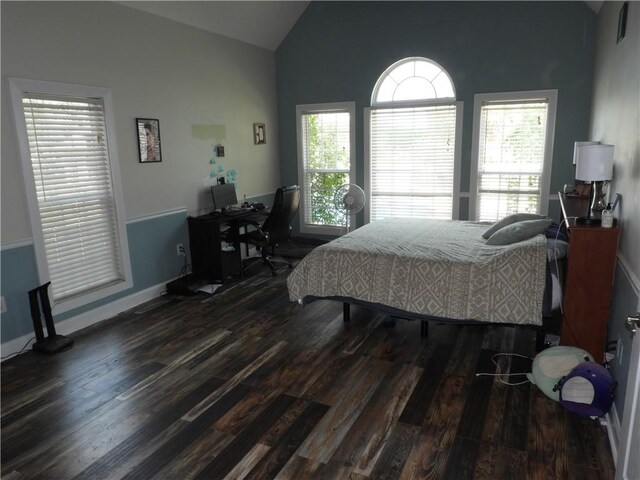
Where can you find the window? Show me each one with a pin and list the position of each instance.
(74, 203)
(412, 155)
(326, 152)
(511, 155)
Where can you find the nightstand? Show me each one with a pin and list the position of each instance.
(591, 263)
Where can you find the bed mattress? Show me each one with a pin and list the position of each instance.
(434, 268)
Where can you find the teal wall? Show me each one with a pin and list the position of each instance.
(152, 248)
(19, 275)
(337, 50)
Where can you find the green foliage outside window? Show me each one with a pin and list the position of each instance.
(327, 158)
(322, 187)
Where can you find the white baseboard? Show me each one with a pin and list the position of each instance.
(90, 317)
(613, 431)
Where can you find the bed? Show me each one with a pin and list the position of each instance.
(430, 270)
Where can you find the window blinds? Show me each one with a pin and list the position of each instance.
(69, 157)
(326, 154)
(412, 159)
(510, 157)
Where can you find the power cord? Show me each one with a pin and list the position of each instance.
(14, 354)
(185, 270)
(555, 257)
(499, 375)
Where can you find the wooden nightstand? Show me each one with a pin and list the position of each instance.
(590, 270)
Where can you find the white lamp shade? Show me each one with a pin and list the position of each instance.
(594, 162)
(576, 149)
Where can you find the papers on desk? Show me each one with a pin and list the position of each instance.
(210, 288)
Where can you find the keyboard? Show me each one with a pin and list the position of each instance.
(235, 212)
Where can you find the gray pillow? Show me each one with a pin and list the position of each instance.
(509, 219)
(517, 232)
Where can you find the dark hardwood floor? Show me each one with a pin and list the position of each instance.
(245, 384)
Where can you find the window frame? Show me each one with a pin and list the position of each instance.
(551, 96)
(17, 87)
(348, 107)
(457, 155)
(422, 102)
(399, 103)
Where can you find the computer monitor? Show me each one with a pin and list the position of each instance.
(224, 195)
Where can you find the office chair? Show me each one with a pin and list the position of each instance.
(276, 228)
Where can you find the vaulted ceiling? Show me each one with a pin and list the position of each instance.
(261, 23)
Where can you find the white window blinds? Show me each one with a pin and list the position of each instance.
(71, 169)
(412, 162)
(511, 157)
(326, 150)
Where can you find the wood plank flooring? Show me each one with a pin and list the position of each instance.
(245, 384)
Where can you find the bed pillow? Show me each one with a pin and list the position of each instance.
(517, 232)
(508, 220)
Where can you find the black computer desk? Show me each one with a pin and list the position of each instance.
(215, 246)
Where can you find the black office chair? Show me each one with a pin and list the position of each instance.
(276, 228)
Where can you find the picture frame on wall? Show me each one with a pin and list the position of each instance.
(259, 134)
(149, 140)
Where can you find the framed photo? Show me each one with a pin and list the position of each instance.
(622, 21)
(149, 140)
(259, 134)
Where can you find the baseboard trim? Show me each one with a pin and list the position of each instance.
(91, 317)
(613, 431)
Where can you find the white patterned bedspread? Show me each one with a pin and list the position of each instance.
(430, 267)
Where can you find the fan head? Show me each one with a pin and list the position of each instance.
(349, 198)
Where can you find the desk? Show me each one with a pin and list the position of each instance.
(209, 261)
(591, 265)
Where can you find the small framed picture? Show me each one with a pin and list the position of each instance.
(259, 134)
(149, 140)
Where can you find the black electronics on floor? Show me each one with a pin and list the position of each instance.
(53, 343)
(187, 285)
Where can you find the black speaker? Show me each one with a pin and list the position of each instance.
(187, 285)
(52, 343)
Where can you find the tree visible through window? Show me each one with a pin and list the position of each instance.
(325, 161)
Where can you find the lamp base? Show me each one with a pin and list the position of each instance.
(588, 221)
(597, 203)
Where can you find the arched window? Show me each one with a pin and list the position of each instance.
(410, 79)
(413, 129)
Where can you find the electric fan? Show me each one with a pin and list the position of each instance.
(350, 199)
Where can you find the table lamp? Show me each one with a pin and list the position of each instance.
(594, 163)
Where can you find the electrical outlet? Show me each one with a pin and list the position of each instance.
(180, 250)
(3, 305)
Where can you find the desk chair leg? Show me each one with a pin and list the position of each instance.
(268, 263)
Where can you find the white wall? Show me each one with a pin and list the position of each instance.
(204, 89)
(615, 117)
